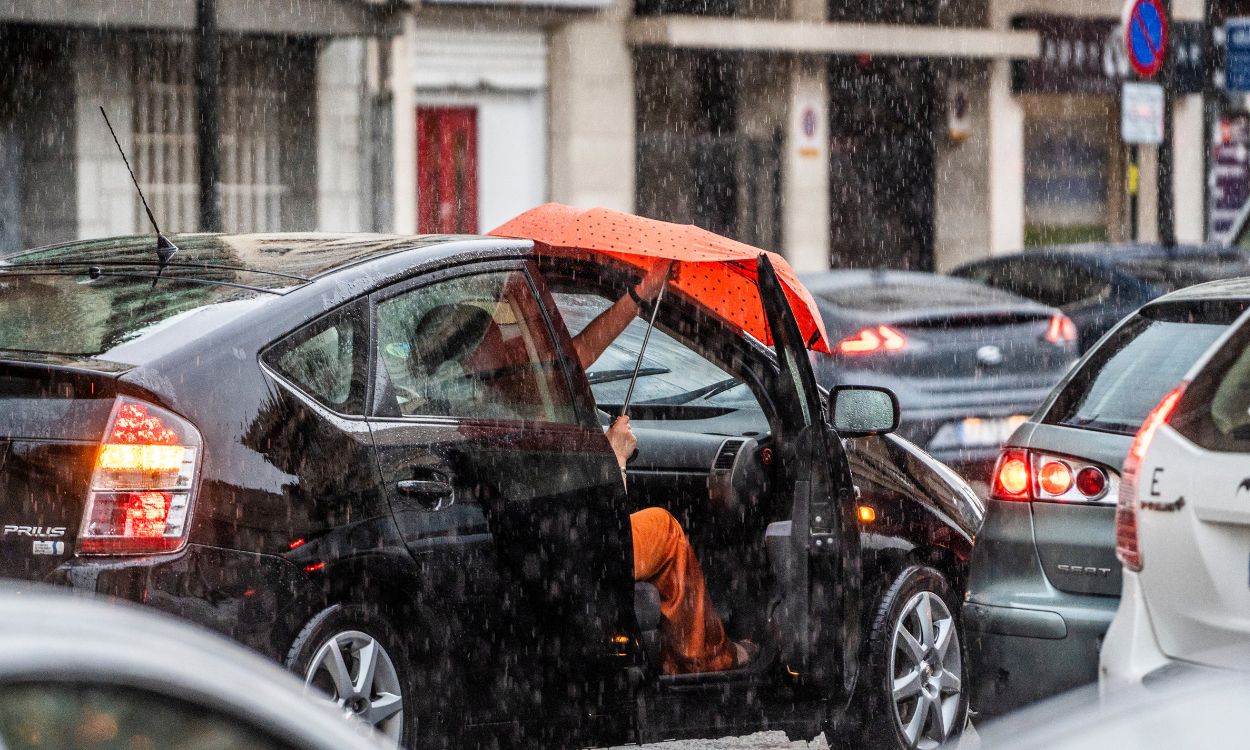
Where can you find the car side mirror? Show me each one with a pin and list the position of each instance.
(862, 410)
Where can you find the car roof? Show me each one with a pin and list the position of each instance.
(931, 292)
(1220, 289)
(264, 260)
(53, 635)
(1113, 253)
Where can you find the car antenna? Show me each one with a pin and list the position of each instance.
(165, 250)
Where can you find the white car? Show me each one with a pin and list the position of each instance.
(1183, 528)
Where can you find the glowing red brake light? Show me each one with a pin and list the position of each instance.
(1061, 330)
(141, 490)
(881, 338)
(1055, 477)
(1012, 478)
(1126, 546)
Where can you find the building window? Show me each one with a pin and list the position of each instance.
(1072, 170)
(251, 146)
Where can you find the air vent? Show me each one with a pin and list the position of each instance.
(727, 453)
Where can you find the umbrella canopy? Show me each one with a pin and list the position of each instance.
(717, 272)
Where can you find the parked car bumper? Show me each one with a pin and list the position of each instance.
(259, 600)
(1131, 655)
(1020, 655)
(1027, 639)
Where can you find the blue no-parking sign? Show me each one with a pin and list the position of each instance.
(1145, 36)
(1237, 60)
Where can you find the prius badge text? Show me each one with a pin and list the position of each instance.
(37, 532)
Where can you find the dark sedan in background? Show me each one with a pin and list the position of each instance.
(1098, 284)
(968, 363)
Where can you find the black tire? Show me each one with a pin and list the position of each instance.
(875, 720)
(347, 624)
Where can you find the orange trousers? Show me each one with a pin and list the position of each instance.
(692, 633)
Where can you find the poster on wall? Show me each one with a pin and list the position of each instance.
(1230, 174)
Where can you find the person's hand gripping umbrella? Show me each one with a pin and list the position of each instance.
(651, 287)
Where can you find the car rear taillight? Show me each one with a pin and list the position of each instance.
(1126, 547)
(880, 339)
(1011, 476)
(1061, 330)
(1033, 475)
(143, 484)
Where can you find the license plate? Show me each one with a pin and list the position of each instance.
(976, 432)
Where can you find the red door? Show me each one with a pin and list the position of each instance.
(447, 170)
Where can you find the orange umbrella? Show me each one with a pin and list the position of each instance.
(717, 272)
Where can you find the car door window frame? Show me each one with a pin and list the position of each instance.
(380, 378)
(362, 334)
(735, 352)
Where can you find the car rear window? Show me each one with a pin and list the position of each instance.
(1215, 410)
(889, 297)
(69, 313)
(1127, 375)
(1130, 371)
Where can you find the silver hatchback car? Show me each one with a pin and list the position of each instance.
(1044, 581)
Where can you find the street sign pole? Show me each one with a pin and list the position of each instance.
(1209, 93)
(1134, 181)
(1167, 204)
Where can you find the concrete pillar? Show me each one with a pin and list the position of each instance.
(1187, 176)
(805, 157)
(1006, 160)
(1148, 195)
(404, 129)
(340, 115)
(805, 169)
(962, 174)
(592, 131)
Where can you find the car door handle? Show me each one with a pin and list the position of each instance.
(431, 494)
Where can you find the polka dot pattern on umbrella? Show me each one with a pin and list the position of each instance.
(715, 271)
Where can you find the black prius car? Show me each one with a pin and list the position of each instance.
(375, 460)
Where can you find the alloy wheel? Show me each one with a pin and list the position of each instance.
(359, 677)
(926, 667)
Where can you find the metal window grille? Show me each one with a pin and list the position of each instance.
(252, 189)
(165, 157)
(166, 163)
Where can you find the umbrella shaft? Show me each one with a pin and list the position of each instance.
(655, 308)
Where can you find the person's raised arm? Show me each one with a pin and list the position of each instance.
(607, 325)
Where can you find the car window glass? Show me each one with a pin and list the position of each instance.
(473, 347)
(890, 296)
(1186, 271)
(65, 313)
(671, 373)
(324, 360)
(1133, 369)
(110, 717)
(1215, 411)
(1050, 282)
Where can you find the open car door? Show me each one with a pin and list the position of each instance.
(818, 616)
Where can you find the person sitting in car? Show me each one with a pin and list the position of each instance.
(451, 353)
(692, 632)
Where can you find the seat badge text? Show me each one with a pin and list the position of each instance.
(1084, 570)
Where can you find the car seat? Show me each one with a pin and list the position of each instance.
(647, 612)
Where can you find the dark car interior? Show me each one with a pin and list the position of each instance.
(704, 440)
